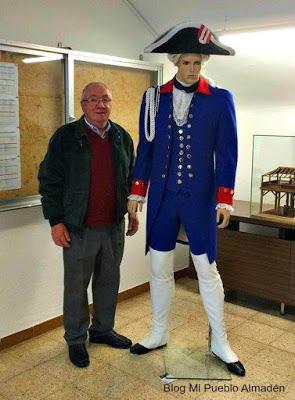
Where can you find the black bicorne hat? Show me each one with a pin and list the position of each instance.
(189, 37)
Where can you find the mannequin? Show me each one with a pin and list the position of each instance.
(187, 153)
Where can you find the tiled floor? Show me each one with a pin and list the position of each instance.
(265, 341)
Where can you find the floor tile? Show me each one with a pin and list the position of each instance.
(107, 381)
(71, 393)
(245, 348)
(33, 384)
(276, 320)
(285, 342)
(35, 351)
(276, 361)
(10, 365)
(256, 331)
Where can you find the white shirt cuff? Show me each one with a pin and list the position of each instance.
(226, 206)
(136, 197)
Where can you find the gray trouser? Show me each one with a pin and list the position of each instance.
(95, 252)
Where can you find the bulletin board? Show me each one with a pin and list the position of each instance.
(41, 112)
(49, 94)
(127, 86)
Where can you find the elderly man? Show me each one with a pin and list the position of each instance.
(187, 153)
(85, 179)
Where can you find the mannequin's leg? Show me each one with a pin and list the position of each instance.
(212, 294)
(162, 290)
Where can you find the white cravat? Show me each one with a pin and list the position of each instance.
(181, 103)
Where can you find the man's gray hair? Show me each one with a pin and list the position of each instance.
(93, 83)
(174, 58)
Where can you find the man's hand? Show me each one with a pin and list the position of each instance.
(224, 215)
(132, 225)
(132, 207)
(60, 235)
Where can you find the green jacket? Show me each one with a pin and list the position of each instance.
(64, 174)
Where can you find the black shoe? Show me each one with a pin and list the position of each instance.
(79, 355)
(113, 339)
(139, 349)
(236, 368)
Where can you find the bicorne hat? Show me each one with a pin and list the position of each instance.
(189, 37)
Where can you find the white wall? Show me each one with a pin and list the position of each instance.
(261, 77)
(101, 26)
(31, 270)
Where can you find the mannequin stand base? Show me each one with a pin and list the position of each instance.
(193, 363)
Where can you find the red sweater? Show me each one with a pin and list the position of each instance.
(101, 202)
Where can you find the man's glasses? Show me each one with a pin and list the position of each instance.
(97, 100)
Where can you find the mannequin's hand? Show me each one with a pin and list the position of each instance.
(132, 225)
(132, 207)
(222, 218)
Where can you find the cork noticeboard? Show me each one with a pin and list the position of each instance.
(127, 86)
(42, 108)
(41, 112)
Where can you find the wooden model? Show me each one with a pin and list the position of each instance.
(281, 183)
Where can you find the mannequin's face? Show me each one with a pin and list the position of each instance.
(189, 68)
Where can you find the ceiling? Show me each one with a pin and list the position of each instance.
(219, 15)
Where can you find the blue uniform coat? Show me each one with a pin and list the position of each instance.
(214, 155)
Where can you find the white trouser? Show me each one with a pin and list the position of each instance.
(212, 294)
(162, 290)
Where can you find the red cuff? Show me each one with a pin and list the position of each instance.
(225, 195)
(139, 187)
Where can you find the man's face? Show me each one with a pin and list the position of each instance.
(189, 67)
(97, 104)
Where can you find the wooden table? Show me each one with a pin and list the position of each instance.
(257, 255)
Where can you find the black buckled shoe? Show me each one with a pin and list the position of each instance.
(112, 338)
(139, 349)
(79, 355)
(236, 368)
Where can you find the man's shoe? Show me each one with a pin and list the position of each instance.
(138, 349)
(79, 355)
(113, 339)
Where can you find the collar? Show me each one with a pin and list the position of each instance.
(96, 130)
(185, 87)
(202, 87)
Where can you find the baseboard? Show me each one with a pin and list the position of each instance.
(53, 323)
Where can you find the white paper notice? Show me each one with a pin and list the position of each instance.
(9, 173)
(8, 79)
(10, 177)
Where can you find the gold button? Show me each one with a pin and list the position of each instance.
(136, 183)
